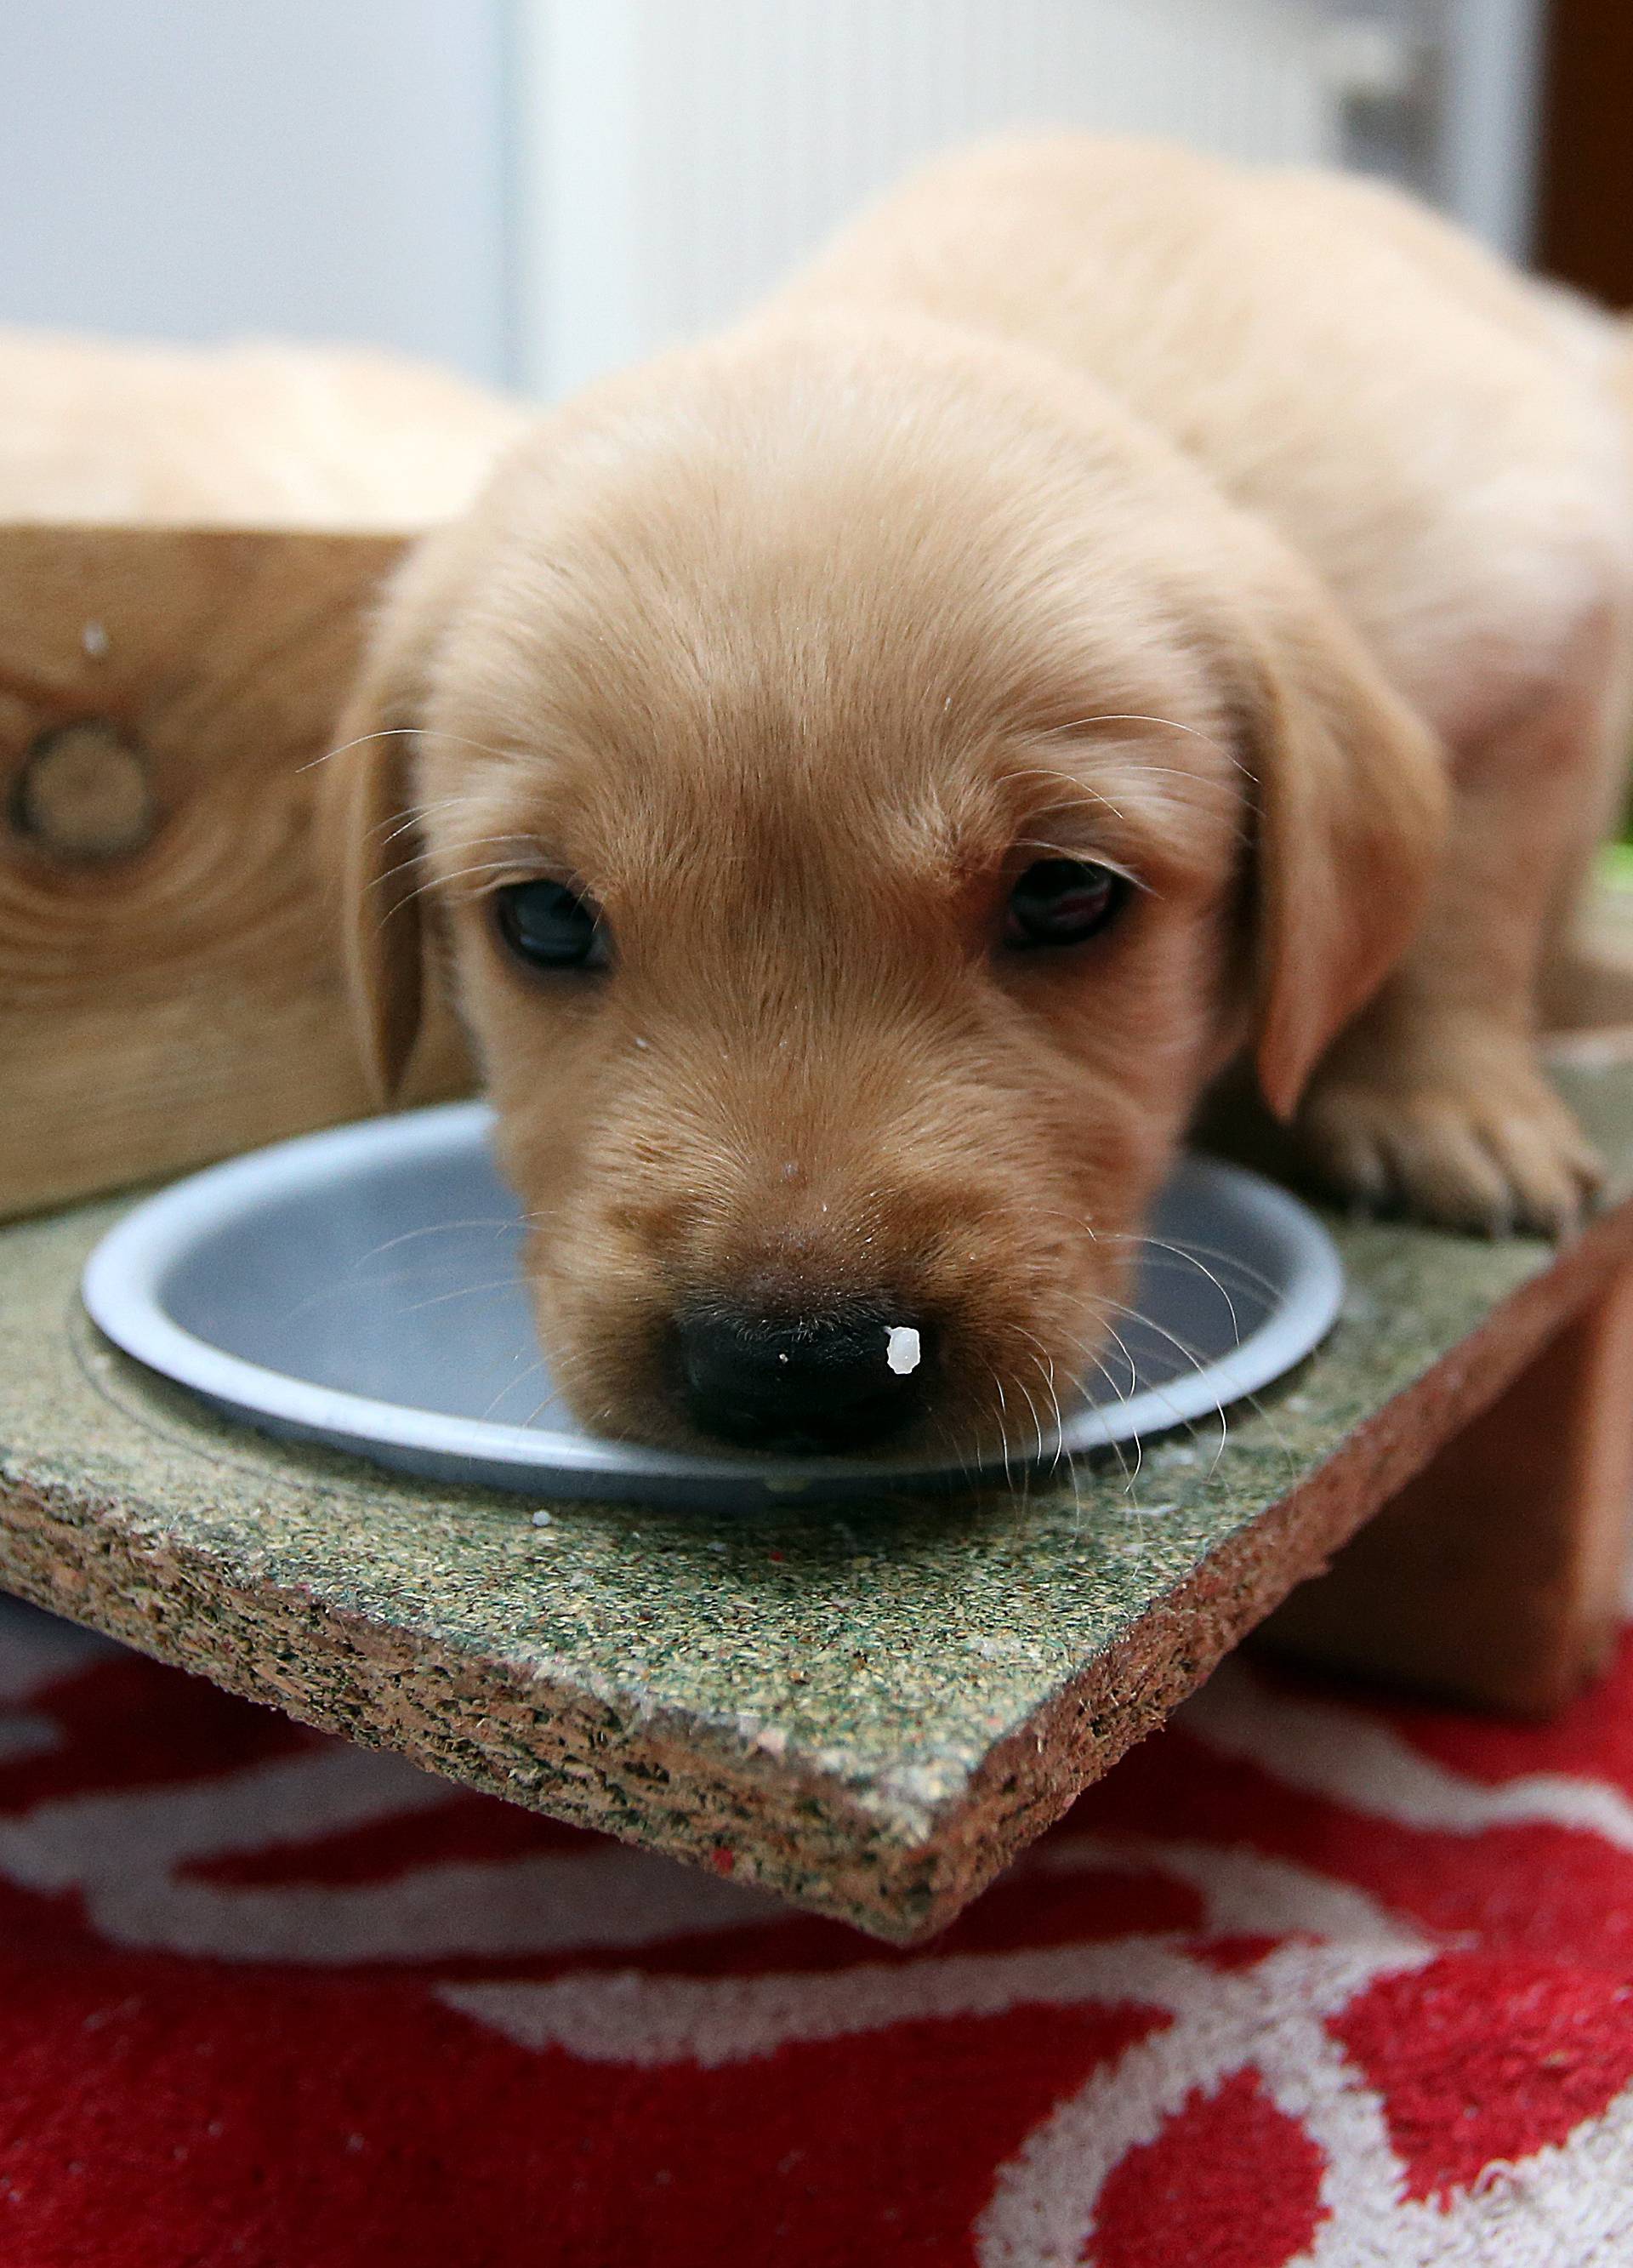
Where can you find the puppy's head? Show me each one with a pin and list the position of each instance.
(864, 790)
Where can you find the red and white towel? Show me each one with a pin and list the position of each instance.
(1307, 1978)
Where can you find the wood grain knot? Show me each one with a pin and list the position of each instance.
(83, 793)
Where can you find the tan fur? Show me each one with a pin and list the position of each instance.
(251, 436)
(1250, 532)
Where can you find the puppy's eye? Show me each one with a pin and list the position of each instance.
(1063, 901)
(549, 926)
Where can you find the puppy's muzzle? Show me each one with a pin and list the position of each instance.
(799, 1383)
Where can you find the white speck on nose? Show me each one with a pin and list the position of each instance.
(644, 1043)
(901, 1349)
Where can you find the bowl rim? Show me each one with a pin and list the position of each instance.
(123, 1288)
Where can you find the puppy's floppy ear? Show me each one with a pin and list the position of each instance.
(1351, 802)
(367, 828)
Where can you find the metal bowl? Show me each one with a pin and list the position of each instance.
(361, 1288)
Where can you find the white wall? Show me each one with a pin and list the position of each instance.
(200, 168)
(533, 190)
(1488, 158)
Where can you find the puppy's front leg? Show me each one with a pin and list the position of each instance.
(1435, 1098)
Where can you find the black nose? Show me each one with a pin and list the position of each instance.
(839, 1380)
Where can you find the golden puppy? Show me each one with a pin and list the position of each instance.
(871, 772)
(244, 436)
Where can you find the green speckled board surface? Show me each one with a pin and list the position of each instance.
(869, 1710)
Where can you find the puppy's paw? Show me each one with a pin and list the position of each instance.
(1476, 1139)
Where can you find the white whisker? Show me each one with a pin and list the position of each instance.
(411, 732)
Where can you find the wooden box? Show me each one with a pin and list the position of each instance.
(169, 986)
